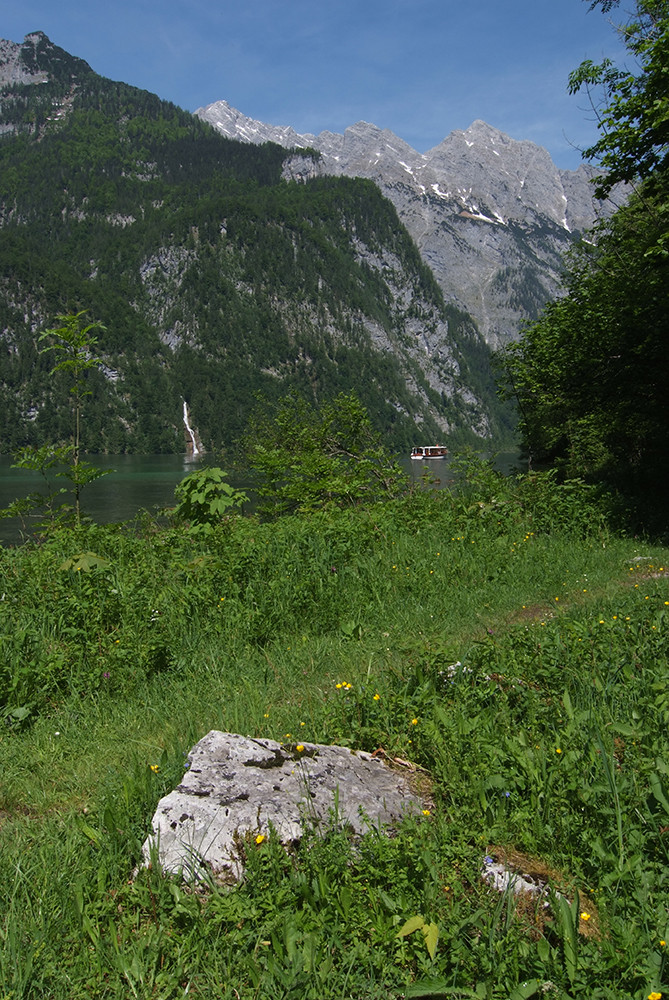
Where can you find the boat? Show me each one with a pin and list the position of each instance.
(429, 451)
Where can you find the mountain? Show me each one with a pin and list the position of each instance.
(491, 216)
(217, 277)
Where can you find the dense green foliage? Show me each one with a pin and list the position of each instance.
(212, 277)
(204, 499)
(496, 635)
(309, 459)
(590, 376)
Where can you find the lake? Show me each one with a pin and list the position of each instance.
(146, 482)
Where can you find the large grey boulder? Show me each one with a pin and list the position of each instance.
(236, 786)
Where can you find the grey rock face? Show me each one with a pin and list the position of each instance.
(13, 68)
(236, 785)
(491, 216)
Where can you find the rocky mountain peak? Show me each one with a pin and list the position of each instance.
(14, 68)
(491, 215)
(37, 60)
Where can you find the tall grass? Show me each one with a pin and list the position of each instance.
(499, 637)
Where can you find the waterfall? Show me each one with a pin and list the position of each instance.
(190, 431)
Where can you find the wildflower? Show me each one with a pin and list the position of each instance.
(299, 748)
(426, 812)
(339, 685)
(377, 696)
(106, 675)
(260, 838)
(558, 750)
(266, 715)
(414, 722)
(662, 944)
(154, 768)
(585, 916)
(654, 995)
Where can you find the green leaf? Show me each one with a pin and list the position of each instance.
(568, 707)
(85, 562)
(411, 925)
(525, 990)
(658, 791)
(431, 932)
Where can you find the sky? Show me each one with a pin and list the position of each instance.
(420, 68)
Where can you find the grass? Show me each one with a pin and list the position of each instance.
(519, 653)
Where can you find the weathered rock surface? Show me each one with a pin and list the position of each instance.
(236, 785)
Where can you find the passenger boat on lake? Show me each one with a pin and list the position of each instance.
(429, 451)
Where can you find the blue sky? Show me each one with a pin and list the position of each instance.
(418, 67)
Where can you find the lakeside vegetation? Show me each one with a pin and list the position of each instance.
(518, 650)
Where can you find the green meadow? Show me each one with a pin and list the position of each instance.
(498, 635)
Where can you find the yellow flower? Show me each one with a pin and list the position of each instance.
(266, 715)
(557, 750)
(260, 838)
(339, 685)
(662, 944)
(414, 722)
(154, 768)
(585, 916)
(426, 812)
(654, 995)
(299, 748)
(377, 697)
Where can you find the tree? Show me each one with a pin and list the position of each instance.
(590, 377)
(73, 342)
(309, 458)
(633, 110)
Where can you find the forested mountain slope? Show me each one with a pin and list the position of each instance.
(215, 278)
(491, 216)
